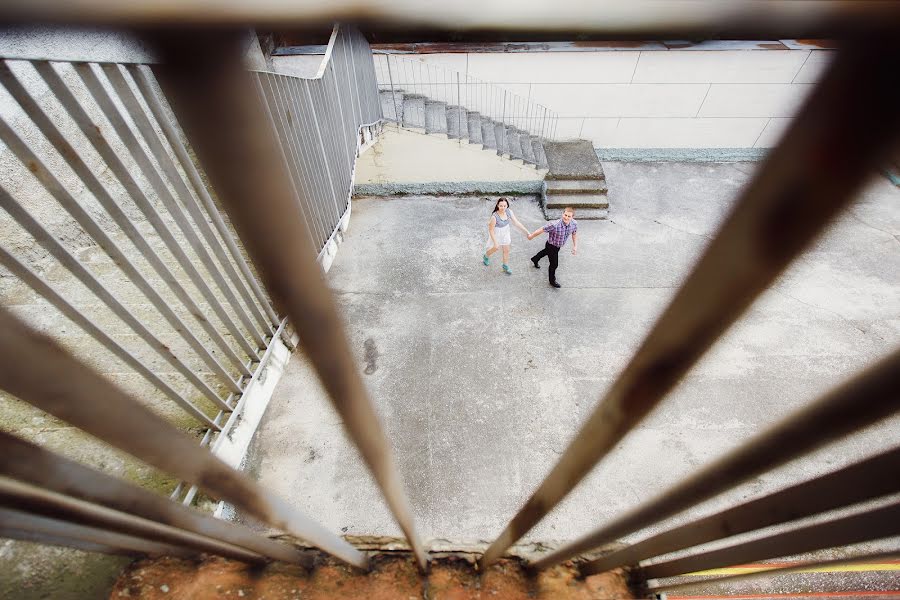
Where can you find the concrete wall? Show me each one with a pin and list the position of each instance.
(712, 95)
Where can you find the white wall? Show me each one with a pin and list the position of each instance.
(713, 95)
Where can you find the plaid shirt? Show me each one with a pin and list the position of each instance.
(560, 232)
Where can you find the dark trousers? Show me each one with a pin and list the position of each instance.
(551, 252)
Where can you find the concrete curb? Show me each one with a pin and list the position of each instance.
(681, 154)
(455, 188)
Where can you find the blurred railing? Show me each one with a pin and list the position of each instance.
(412, 77)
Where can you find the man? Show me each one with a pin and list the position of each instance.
(559, 231)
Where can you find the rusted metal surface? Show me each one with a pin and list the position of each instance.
(394, 576)
(871, 525)
(847, 126)
(40, 372)
(852, 484)
(207, 88)
(32, 464)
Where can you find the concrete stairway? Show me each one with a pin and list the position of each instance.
(575, 179)
(456, 122)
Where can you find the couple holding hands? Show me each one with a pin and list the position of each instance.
(559, 232)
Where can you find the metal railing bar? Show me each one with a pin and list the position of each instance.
(102, 195)
(149, 93)
(237, 411)
(858, 482)
(41, 373)
(22, 525)
(857, 403)
(287, 148)
(57, 540)
(277, 241)
(122, 174)
(72, 264)
(29, 277)
(787, 204)
(164, 160)
(240, 283)
(871, 525)
(45, 503)
(139, 118)
(325, 158)
(806, 566)
(340, 104)
(307, 160)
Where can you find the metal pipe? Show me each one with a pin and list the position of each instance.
(860, 481)
(393, 92)
(871, 525)
(848, 123)
(40, 372)
(209, 89)
(30, 498)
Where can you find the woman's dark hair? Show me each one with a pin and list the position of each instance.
(497, 206)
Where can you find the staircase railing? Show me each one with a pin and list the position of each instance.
(411, 77)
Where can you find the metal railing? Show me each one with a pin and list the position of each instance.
(320, 124)
(405, 77)
(845, 129)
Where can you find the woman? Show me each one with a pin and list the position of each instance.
(498, 228)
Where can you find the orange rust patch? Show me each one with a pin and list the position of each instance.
(393, 577)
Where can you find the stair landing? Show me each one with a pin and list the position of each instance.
(575, 178)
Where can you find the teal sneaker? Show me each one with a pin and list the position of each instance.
(506, 269)
(486, 260)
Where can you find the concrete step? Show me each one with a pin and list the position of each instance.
(414, 111)
(572, 160)
(577, 201)
(488, 137)
(435, 116)
(474, 122)
(391, 104)
(540, 157)
(581, 214)
(514, 147)
(576, 186)
(457, 122)
(527, 151)
(500, 137)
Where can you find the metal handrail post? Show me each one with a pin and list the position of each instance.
(458, 112)
(393, 93)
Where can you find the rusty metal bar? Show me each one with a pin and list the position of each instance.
(33, 499)
(33, 280)
(208, 88)
(35, 465)
(40, 372)
(863, 400)
(862, 558)
(150, 97)
(848, 124)
(19, 524)
(858, 482)
(871, 525)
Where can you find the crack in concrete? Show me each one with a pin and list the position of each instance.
(847, 320)
(863, 222)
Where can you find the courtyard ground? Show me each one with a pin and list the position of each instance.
(481, 378)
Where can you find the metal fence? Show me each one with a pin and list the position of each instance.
(320, 124)
(845, 129)
(405, 77)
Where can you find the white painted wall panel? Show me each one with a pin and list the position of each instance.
(814, 66)
(554, 67)
(754, 100)
(772, 133)
(622, 100)
(725, 66)
(684, 133)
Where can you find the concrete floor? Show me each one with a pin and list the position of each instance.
(481, 379)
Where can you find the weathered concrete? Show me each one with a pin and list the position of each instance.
(482, 378)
